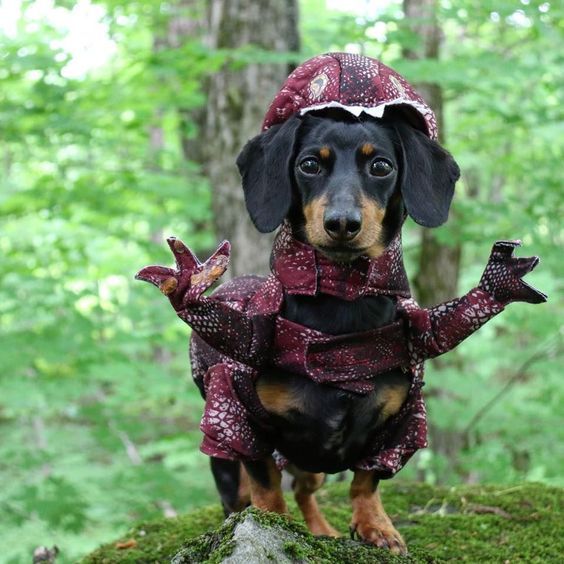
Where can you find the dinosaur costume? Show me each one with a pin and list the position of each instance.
(239, 330)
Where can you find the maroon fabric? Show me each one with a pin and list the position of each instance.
(302, 270)
(353, 82)
(503, 275)
(230, 430)
(349, 362)
(238, 331)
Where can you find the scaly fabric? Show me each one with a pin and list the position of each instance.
(238, 331)
(352, 82)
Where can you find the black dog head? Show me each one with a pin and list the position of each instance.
(345, 182)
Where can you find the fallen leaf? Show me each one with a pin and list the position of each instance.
(131, 543)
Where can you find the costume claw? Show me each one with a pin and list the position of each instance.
(178, 246)
(191, 278)
(504, 272)
(169, 286)
(185, 258)
(155, 275)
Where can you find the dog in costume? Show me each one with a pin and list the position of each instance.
(318, 367)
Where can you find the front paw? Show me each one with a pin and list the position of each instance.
(380, 533)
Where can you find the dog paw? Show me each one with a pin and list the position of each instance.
(323, 529)
(381, 534)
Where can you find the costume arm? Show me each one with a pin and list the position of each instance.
(232, 332)
(434, 331)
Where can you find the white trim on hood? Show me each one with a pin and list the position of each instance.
(375, 111)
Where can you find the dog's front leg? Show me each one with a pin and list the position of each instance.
(370, 521)
(305, 485)
(265, 482)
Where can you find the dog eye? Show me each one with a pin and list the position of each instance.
(310, 166)
(381, 167)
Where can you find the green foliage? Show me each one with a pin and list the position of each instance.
(98, 421)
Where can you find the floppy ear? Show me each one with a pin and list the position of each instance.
(429, 174)
(265, 165)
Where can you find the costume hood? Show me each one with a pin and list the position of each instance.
(354, 83)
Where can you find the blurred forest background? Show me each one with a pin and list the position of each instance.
(119, 124)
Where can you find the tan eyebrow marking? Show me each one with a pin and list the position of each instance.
(367, 149)
(325, 152)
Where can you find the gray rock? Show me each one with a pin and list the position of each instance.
(255, 543)
(245, 538)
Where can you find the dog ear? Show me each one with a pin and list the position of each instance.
(265, 166)
(429, 174)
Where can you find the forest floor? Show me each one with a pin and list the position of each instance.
(479, 524)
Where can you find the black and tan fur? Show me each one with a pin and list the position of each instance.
(346, 185)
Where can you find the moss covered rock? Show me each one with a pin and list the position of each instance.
(468, 523)
(255, 536)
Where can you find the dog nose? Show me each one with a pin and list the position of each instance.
(342, 226)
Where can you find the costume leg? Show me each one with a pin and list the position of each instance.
(369, 519)
(265, 482)
(229, 423)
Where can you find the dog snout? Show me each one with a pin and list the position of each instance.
(342, 225)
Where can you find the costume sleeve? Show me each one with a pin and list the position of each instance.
(242, 337)
(234, 333)
(434, 331)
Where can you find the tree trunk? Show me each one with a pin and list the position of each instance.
(186, 21)
(237, 102)
(436, 280)
(190, 22)
(439, 265)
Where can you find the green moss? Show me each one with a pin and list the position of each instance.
(338, 551)
(469, 523)
(294, 550)
(160, 539)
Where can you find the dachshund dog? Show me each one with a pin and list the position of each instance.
(319, 366)
(345, 185)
